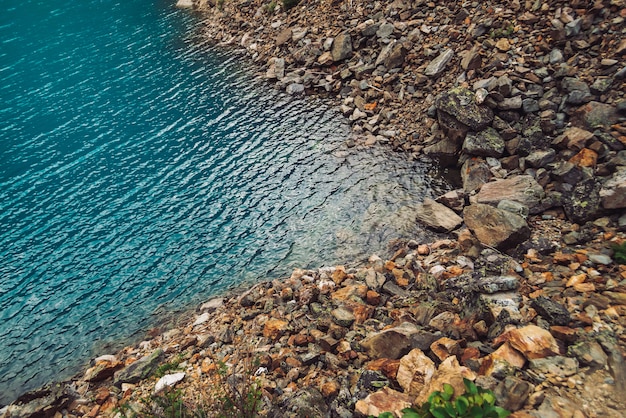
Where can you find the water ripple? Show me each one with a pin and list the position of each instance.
(143, 171)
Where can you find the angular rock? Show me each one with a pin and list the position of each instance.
(557, 366)
(533, 342)
(495, 303)
(589, 353)
(460, 103)
(275, 69)
(503, 361)
(583, 202)
(103, 369)
(450, 372)
(486, 143)
(495, 227)
(437, 65)
(437, 216)
(595, 115)
(495, 284)
(551, 311)
(573, 138)
(415, 371)
(385, 400)
(140, 369)
(613, 191)
(342, 47)
(168, 381)
(474, 174)
(308, 402)
(274, 328)
(45, 402)
(522, 189)
(392, 343)
(512, 393)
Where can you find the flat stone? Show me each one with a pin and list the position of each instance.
(392, 343)
(437, 216)
(460, 103)
(495, 284)
(343, 317)
(342, 47)
(168, 381)
(556, 365)
(551, 311)
(522, 189)
(532, 341)
(437, 65)
(139, 370)
(385, 400)
(495, 227)
(512, 393)
(589, 353)
(486, 143)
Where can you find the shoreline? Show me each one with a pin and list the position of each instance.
(561, 247)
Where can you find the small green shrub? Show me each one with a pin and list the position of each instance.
(504, 32)
(290, 4)
(164, 369)
(240, 395)
(270, 7)
(476, 402)
(619, 253)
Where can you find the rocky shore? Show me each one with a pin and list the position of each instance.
(527, 297)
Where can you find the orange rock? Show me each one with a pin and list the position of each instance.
(330, 388)
(445, 347)
(387, 366)
(339, 275)
(390, 265)
(370, 106)
(532, 341)
(470, 353)
(361, 312)
(576, 279)
(102, 394)
(415, 371)
(504, 356)
(93, 413)
(385, 400)
(585, 287)
(449, 371)
(563, 333)
(274, 328)
(347, 292)
(372, 298)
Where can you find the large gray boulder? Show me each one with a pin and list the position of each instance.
(139, 370)
(486, 143)
(460, 103)
(496, 227)
(342, 47)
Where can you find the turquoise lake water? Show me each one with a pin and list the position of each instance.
(142, 171)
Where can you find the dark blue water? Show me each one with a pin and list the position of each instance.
(142, 171)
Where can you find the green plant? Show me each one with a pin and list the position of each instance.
(165, 368)
(619, 253)
(240, 395)
(503, 32)
(290, 4)
(270, 7)
(476, 402)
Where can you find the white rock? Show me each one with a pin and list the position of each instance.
(168, 380)
(184, 3)
(201, 319)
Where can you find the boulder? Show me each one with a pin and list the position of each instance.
(583, 202)
(415, 371)
(474, 174)
(551, 311)
(496, 227)
(342, 47)
(385, 400)
(522, 189)
(140, 369)
(460, 103)
(44, 402)
(486, 143)
(532, 341)
(392, 343)
(168, 381)
(613, 192)
(437, 216)
(450, 372)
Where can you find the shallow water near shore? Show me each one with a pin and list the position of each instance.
(142, 171)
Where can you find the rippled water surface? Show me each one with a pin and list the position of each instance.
(142, 171)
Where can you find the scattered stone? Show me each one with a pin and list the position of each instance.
(437, 216)
(532, 341)
(342, 47)
(140, 369)
(168, 381)
(439, 64)
(495, 227)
